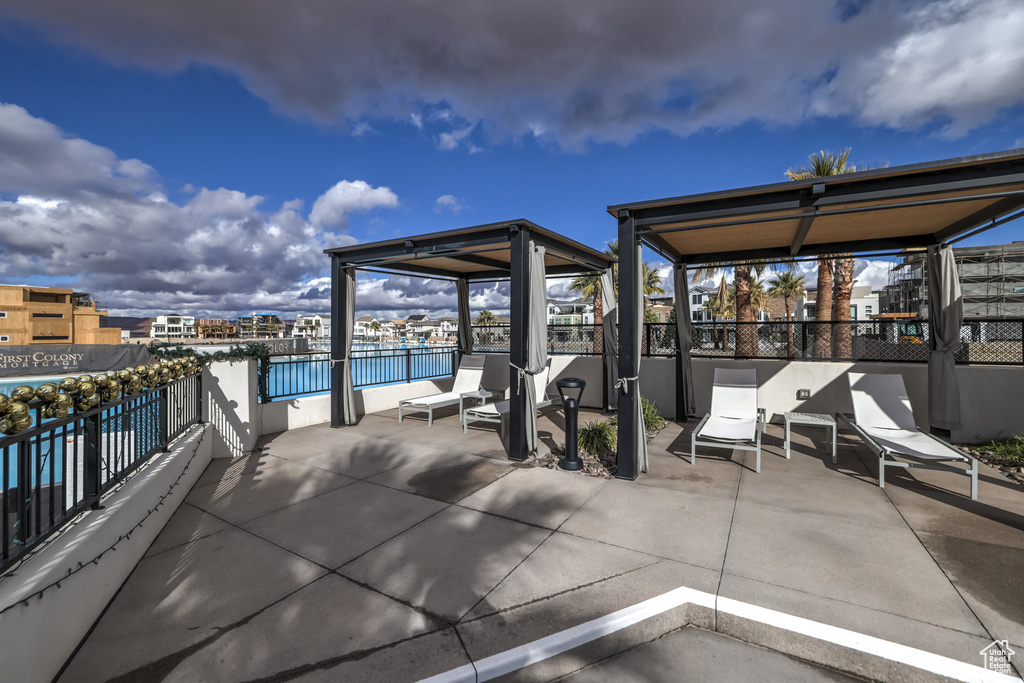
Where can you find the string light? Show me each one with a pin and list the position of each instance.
(113, 547)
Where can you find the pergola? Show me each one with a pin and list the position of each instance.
(518, 251)
(920, 206)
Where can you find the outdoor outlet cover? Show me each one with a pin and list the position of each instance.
(803, 394)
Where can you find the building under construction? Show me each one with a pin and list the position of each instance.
(991, 279)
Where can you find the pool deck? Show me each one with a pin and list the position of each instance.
(395, 552)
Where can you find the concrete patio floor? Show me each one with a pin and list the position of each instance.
(395, 552)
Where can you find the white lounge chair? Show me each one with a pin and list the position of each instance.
(467, 379)
(884, 418)
(499, 412)
(735, 420)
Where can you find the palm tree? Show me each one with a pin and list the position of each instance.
(789, 286)
(485, 320)
(316, 329)
(743, 275)
(824, 164)
(375, 326)
(717, 311)
(835, 278)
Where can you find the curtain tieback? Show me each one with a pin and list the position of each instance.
(522, 372)
(621, 383)
(332, 361)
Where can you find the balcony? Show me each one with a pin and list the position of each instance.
(396, 551)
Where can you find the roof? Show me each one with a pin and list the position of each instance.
(417, 318)
(365, 319)
(482, 252)
(888, 209)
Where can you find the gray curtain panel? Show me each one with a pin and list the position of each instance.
(683, 329)
(349, 395)
(610, 329)
(465, 320)
(945, 316)
(640, 432)
(536, 340)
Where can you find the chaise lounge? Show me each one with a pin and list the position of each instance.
(467, 379)
(884, 419)
(498, 412)
(735, 421)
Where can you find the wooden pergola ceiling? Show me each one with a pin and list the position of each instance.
(482, 252)
(871, 211)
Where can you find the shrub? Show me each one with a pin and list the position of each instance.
(1008, 453)
(596, 438)
(653, 420)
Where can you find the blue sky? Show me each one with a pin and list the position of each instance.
(176, 158)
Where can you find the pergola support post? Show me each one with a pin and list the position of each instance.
(338, 298)
(629, 397)
(519, 319)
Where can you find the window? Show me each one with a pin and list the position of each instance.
(696, 315)
(47, 315)
(695, 299)
(853, 311)
(49, 338)
(4, 338)
(3, 314)
(809, 312)
(867, 311)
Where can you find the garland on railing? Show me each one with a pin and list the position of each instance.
(248, 351)
(57, 399)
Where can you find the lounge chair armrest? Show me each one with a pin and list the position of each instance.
(700, 426)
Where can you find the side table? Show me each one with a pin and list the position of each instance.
(815, 420)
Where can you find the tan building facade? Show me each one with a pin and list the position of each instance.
(48, 315)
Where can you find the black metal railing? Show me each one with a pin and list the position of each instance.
(59, 467)
(989, 341)
(992, 341)
(282, 378)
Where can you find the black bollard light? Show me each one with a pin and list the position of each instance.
(571, 391)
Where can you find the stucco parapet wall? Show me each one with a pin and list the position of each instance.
(40, 632)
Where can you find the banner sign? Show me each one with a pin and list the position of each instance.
(287, 346)
(53, 359)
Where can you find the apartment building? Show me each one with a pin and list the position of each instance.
(261, 326)
(315, 326)
(573, 312)
(173, 327)
(50, 315)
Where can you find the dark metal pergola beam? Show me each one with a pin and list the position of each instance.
(976, 219)
(783, 253)
(832, 212)
(437, 246)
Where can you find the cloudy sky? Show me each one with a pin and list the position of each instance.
(198, 157)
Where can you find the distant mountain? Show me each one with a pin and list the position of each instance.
(139, 327)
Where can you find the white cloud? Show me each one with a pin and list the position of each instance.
(79, 213)
(448, 202)
(579, 70)
(332, 207)
(446, 142)
(958, 59)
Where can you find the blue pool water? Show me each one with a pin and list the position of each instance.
(368, 369)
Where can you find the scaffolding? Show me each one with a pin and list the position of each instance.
(991, 279)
